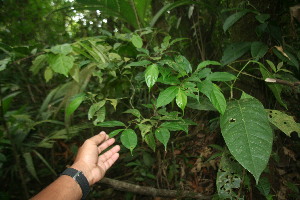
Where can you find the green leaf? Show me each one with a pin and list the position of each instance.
(248, 135)
(165, 97)
(151, 75)
(114, 133)
(134, 112)
(100, 114)
(275, 88)
(175, 126)
(163, 135)
(234, 51)
(258, 50)
(262, 17)
(181, 99)
(48, 74)
(264, 186)
(150, 140)
(137, 41)
(206, 63)
(129, 139)
(30, 166)
(111, 124)
(221, 76)
(3, 63)
(62, 49)
(74, 104)
(45, 162)
(61, 64)
(94, 108)
(38, 63)
(232, 19)
(139, 63)
(284, 122)
(214, 94)
(144, 128)
(183, 63)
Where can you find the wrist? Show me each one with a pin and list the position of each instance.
(85, 170)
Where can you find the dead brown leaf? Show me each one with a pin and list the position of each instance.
(279, 48)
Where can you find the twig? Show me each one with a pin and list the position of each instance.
(150, 191)
(283, 82)
(23, 59)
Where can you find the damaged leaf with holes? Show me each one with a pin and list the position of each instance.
(283, 122)
(248, 135)
(229, 177)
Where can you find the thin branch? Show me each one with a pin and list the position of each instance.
(282, 82)
(150, 191)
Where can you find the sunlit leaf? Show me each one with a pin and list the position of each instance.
(62, 49)
(61, 64)
(150, 140)
(137, 41)
(48, 74)
(151, 75)
(181, 99)
(134, 112)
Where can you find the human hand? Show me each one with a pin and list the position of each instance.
(88, 160)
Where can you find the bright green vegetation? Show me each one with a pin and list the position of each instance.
(150, 73)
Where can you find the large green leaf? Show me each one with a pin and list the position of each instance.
(165, 97)
(74, 104)
(163, 135)
(151, 75)
(247, 133)
(232, 19)
(284, 122)
(234, 51)
(61, 64)
(129, 139)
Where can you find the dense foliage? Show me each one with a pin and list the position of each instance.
(202, 95)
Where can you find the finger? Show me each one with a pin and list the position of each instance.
(105, 144)
(107, 155)
(108, 163)
(99, 138)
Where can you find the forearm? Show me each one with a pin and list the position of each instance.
(62, 188)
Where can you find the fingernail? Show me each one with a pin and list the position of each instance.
(102, 133)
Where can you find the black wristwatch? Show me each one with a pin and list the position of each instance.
(79, 177)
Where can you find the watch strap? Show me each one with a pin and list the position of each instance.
(79, 177)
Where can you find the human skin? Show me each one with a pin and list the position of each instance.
(88, 160)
